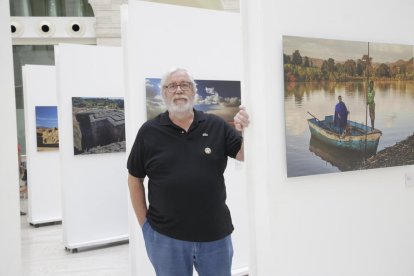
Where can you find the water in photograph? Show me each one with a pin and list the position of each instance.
(394, 110)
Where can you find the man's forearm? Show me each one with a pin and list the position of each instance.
(137, 193)
(240, 154)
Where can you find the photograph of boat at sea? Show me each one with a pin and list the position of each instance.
(349, 105)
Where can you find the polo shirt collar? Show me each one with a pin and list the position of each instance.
(166, 121)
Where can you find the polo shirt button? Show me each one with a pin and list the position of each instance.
(182, 131)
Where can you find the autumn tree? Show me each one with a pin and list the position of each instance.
(383, 70)
(367, 61)
(350, 67)
(359, 68)
(331, 65)
(286, 59)
(306, 62)
(296, 58)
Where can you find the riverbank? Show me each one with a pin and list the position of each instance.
(400, 154)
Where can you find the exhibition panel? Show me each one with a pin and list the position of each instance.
(94, 186)
(351, 223)
(10, 256)
(210, 48)
(42, 144)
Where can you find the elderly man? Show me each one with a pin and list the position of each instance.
(184, 152)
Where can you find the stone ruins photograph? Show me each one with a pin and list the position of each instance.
(98, 125)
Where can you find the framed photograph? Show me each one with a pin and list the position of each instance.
(98, 125)
(348, 105)
(219, 97)
(47, 131)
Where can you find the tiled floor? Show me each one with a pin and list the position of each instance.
(43, 254)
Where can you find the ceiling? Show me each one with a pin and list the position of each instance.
(230, 5)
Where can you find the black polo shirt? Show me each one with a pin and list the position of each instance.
(186, 190)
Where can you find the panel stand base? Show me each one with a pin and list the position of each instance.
(37, 225)
(94, 247)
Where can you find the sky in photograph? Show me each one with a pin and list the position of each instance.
(46, 116)
(215, 96)
(342, 50)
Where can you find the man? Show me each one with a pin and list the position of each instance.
(184, 153)
(341, 115)
(371, 103)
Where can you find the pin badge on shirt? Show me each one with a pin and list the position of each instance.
(207, 150)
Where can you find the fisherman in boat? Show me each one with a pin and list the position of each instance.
(371, 103)
(341, 115)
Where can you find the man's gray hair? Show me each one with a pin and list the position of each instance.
(172, 71)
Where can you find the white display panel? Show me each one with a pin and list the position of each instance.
(357, 223)
(10, 257)
(43, 167)
(94, 187)
(210, 47)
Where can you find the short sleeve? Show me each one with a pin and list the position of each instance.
(136, 159)
(233, 140)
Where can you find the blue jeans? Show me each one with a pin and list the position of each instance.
(171, 257)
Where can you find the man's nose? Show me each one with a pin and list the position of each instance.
(179, 90)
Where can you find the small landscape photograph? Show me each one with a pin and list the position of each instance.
(219, 97)
(47, 131)
(98, 125)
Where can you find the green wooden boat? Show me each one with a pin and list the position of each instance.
(357, 137)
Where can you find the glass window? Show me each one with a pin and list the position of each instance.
(38, 54)
(27, 54)
(77, 8)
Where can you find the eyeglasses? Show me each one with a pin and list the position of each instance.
(185, 86)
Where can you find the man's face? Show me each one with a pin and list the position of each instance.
(180, 100)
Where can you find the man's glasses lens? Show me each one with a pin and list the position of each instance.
(185, 86)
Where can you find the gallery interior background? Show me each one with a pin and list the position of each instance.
(359, 223)
(41, 52)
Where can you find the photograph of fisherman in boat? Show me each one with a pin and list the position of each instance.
(349, 105)
(219, 97)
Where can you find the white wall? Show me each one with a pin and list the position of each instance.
(10, 255)
(94, 187)
(358, 223)
(160, 37)
(43, 168)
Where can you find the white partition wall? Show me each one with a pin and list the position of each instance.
(94, 186)
(358, 223)
(156, 38)
(10, 256)
(43, 167)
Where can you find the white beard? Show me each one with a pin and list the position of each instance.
(181, 109)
